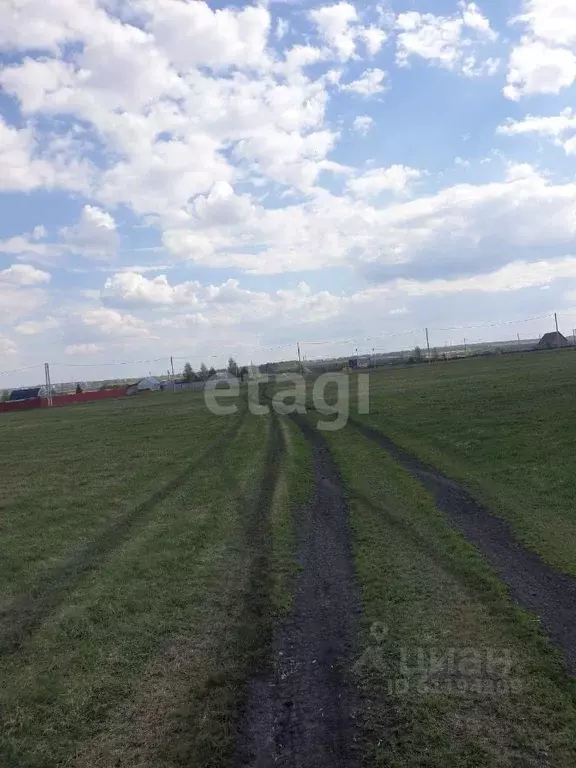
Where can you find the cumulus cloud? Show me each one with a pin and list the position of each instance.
(35, 327)
(24, 274)
(336, 25)
(370, 83)
(20, 293)
(362, 124)
(561, 129)
(396, 179)
(110, 322)
(230, 134)
(82, 349)
(515, 276)
(523, 210)
(94, 236)
(134, 288)
(27, 244)
(7, 347)
(20, 171)
(544, 60)
(451, 42)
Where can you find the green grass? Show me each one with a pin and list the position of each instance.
(147, 549)
(131, 564)
(433, 593)
(294, 487)
(505, 427)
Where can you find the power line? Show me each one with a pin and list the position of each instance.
(116, 362)
(288, 345)
(19, 370)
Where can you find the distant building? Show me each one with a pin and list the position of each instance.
(149, 384)
(24, 394)
(553, 340)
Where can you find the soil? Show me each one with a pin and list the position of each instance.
(302, 710)
(533, 584)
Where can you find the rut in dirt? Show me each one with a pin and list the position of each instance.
(302, 712)
(533, 584)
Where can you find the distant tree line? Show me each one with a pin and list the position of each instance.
(189, 374)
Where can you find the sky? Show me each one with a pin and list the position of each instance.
(198, 180)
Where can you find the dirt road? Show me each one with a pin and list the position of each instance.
(302, 712)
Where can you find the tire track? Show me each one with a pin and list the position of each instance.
(533, 584)
(302, 712)
(255, 517)
(26, 612)
(204, 713)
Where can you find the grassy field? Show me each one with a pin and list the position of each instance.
(434, 615)
(139, 579)
(505, 426)
(147, 553)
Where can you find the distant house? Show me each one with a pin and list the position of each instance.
(149, 384)
(553, 340)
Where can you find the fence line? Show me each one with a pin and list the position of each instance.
(245, 354)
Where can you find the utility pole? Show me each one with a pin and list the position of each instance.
(48, 384)
(356, 357)
(557, 335)
(173, 377)
(373, 359)
(428, 345)
(518, 335)
(465, 349)
(300, 359)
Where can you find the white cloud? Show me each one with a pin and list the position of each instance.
(544, 61)
(362, 124)
(112, 323)
(7, 347)
(369, 84)
(210, 129)
(339, 28)
(555, 127)
(396, 179)
(336, 26)
(282, 28)
(515, 276)
(19, 291)
(24, 274)
(192, 34)
(536, 67)
(446, 41)
(374, 38)
(134, 288)
(523, 210)
(94, 236)
(82, 349)
(35, 327)
(225, 304)
(27, 245)
(552, 20)
(19, 170)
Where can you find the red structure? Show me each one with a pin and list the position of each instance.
(42, 402)
(22, 405)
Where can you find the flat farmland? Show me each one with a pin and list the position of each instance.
(505, 426)
(130, 604)
(179, 588)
